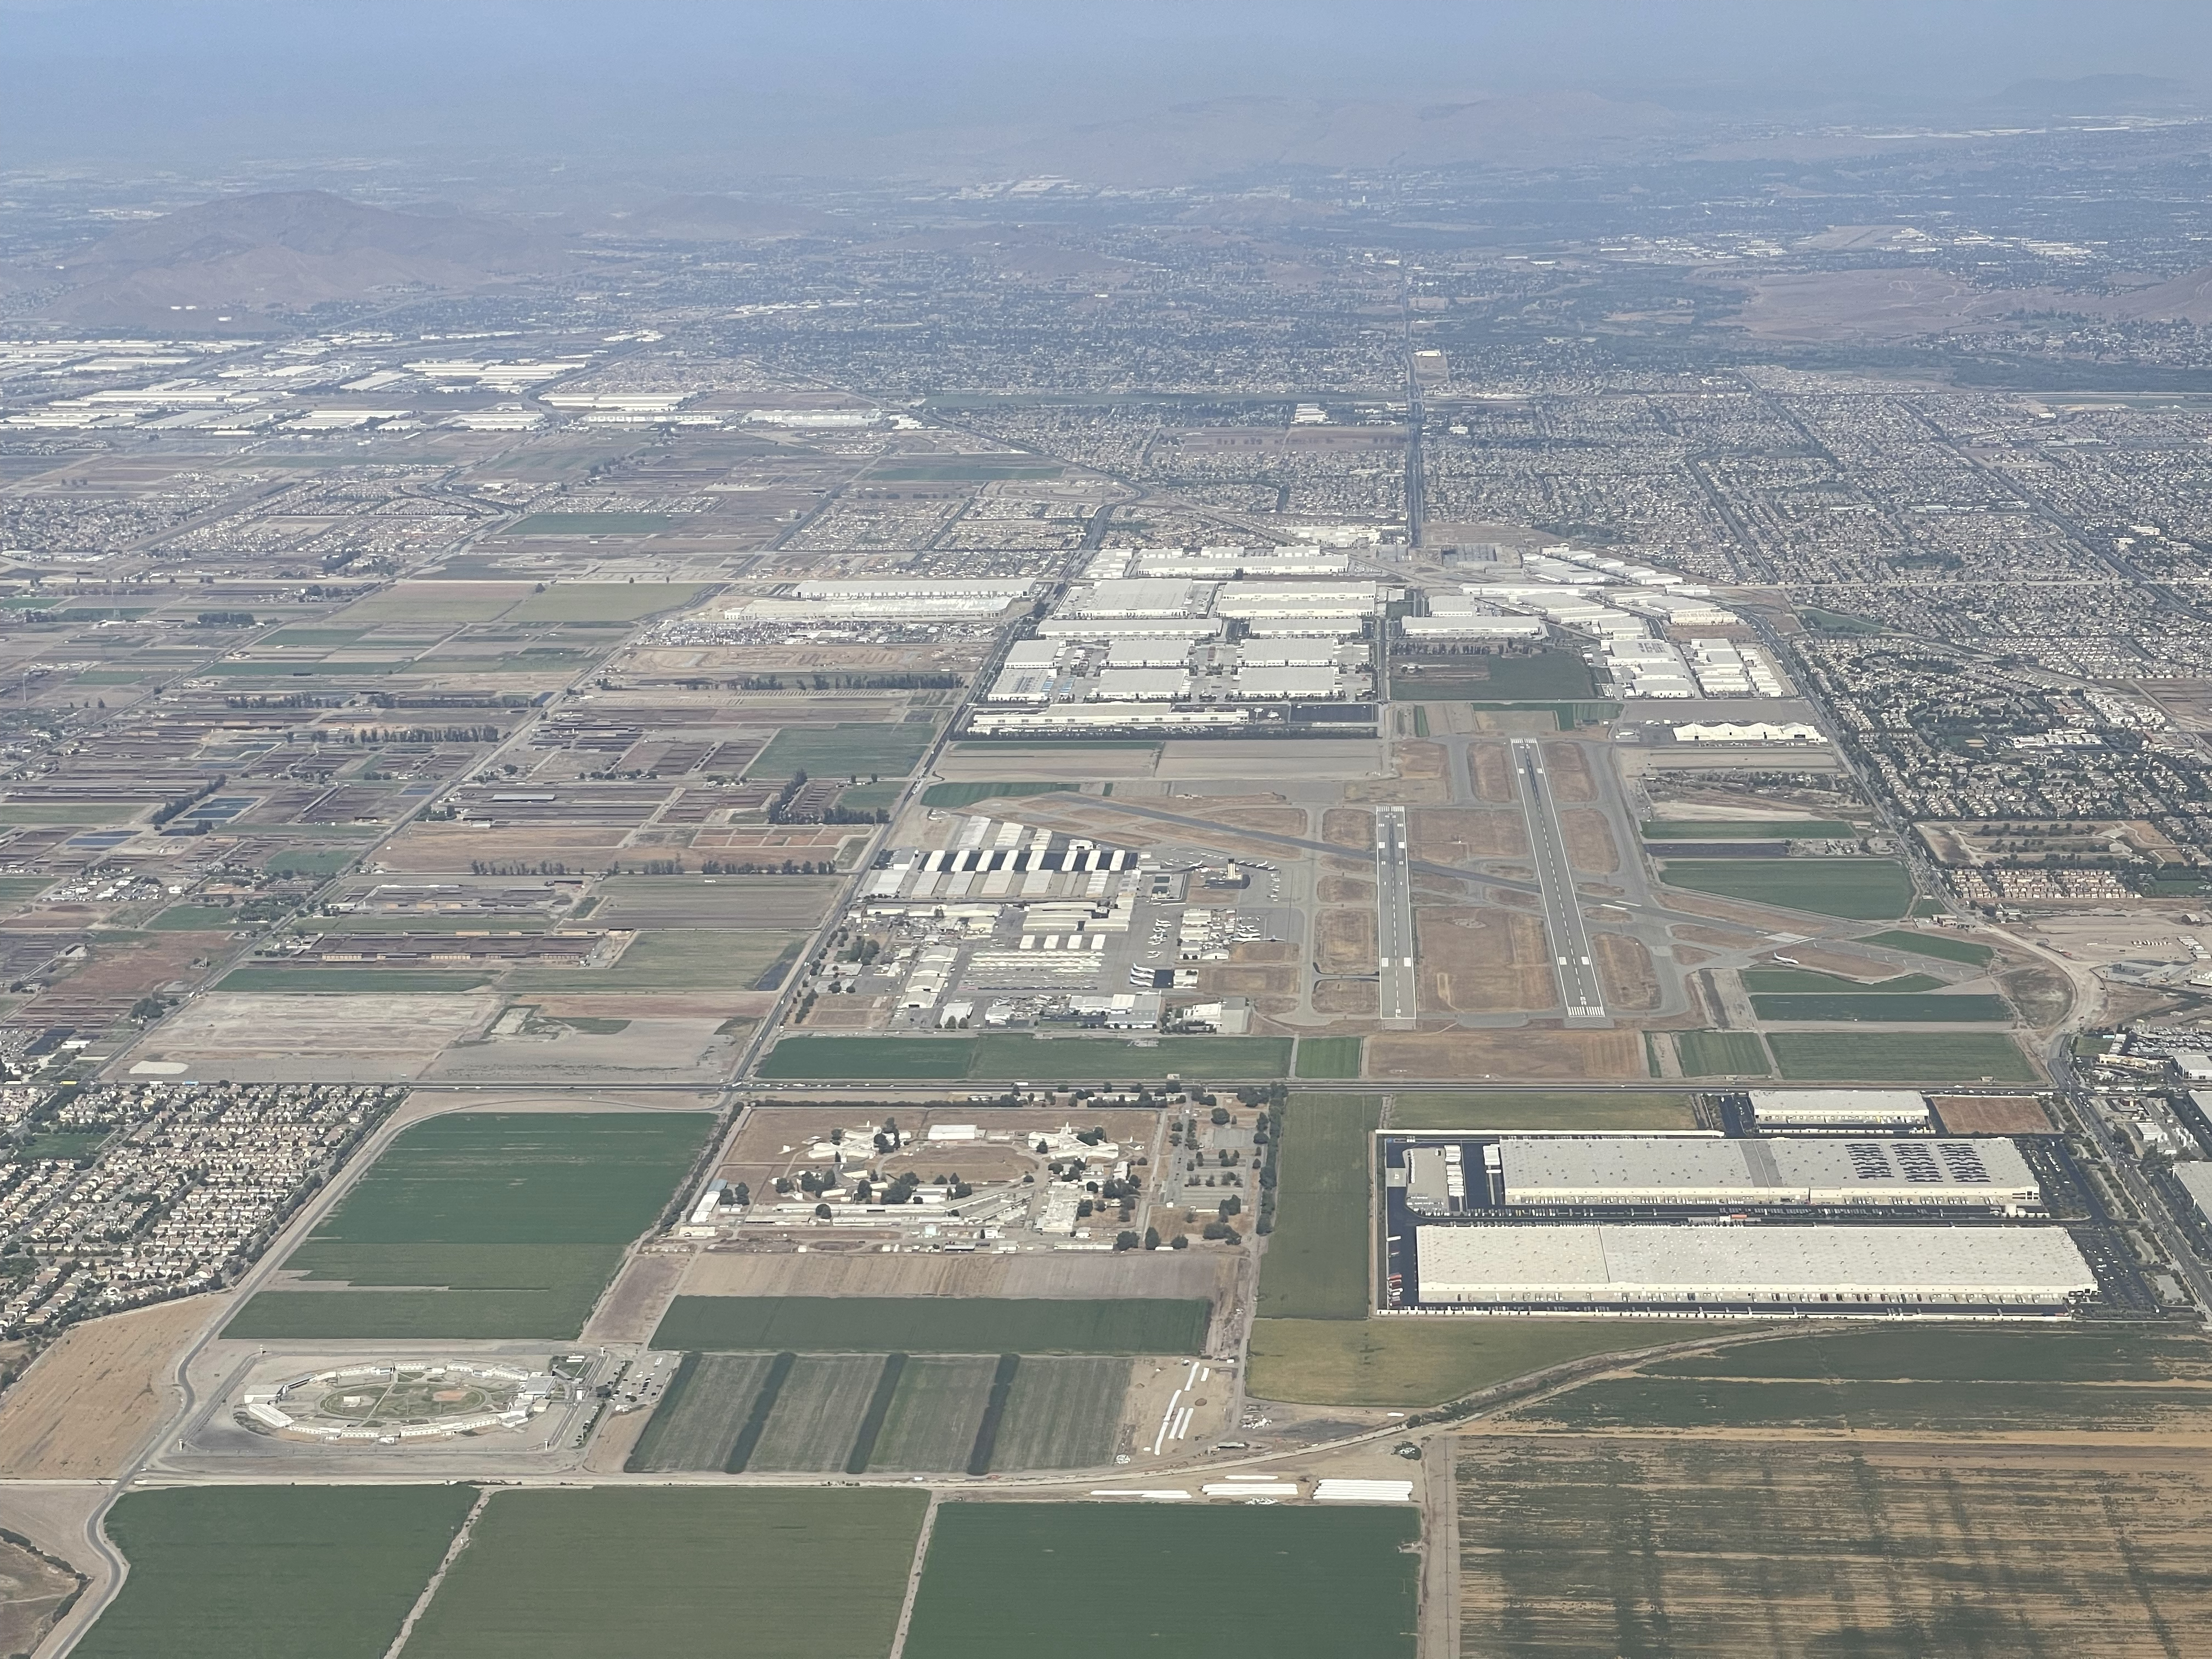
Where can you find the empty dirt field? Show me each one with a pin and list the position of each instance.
(1344, 941)
(1352, 997)
(1590, 841)
(1490, 772)
(92, 1399)
(1458, 835)
(1057, 1276)
(1336, 889)
(1483, 960)
(1584, 1545)
(1349, 826)
(1991, 1114)
(1841, 965)
(1269, 820)
(1625, 969)
(1567, 766)
(1419, 758)
(430, 848)
(310, 1036)
(1534, 1056)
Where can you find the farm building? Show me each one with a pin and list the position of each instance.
(1837, 1108)
(1840, 1268)
(1980, 1174)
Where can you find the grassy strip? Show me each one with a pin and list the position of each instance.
(1933, 944)
(641, 1455)
(879, 1407)
(1901, 1056)
(757, 1423)
(1722, 1054)
(1315, 1266)
(1749, 830)
(1864, 890)
(967, 794)
(994, 1412)
(1328, 1057)
(1881, 1008)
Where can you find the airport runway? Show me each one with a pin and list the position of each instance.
(1394, 915)
(1579, 990)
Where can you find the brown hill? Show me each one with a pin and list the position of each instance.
(285, 250)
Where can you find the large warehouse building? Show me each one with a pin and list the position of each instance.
(1624, 1169)
(1837, 1108)
(1843, 1269)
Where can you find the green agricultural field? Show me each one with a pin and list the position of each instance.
(967, 794)
(591, 524)
(1318, 1262)
(531, 923)
(669, 959)
(593, 1572)
(702, 1414)
(272, 1572)
(870, 796)
(1234, 1584)
(446, 603)
(590, 602)
(195, 919)
(325, 861)
(1722, 1054)
(1541, 1108)
(1328, 1057)
(1781, 981)
(1548, 677)
(865, 1324)
(1912, 1407)
(1901, 1057)
(1749, 830)
(1946, 946)
(1406, 1363)
(522, 1217)
(342, 981)
(1884, 1010)
(815, 1416)
(1009, 1058)
(930, 1426)
(1063, 1413)
(1867, 889)
(1965, 1352)
(852, 749)
(18, 890)
(91, 811)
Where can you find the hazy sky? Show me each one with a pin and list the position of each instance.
(132, 83)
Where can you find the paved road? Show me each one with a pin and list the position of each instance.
(2148, 1201)
(1394, 915)
(1580, 993)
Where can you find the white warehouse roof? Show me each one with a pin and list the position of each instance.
(1128, 628)
(1140, 685)
(1817, 1107)
(1140, 596)
(1284, 683)
(1636, 1169)
(1941, 1267)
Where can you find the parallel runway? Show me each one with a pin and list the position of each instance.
(1579, 989)
(1394, 913)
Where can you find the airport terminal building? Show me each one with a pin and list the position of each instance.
(1720, 1269)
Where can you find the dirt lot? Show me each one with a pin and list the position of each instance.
(1624, 969)
(441, 847)
(1482, 960)
(1536, 1056)
(1268, 820)
(1490, 768)
(1044, 1275)
(1343, 889)
(1567, 765)
(1344, 941)
(1590, 841)
(31, 1591)
(1347, 996)
(1991, 1114)
(1827, 962)
(364, 1034)
(1459, 835)
(1418, 757)
(1348, 826)
(640, 1295)
(90, 1400)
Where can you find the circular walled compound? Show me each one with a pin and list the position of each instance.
(401, 1401)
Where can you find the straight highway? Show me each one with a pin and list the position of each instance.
(1579, 990)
